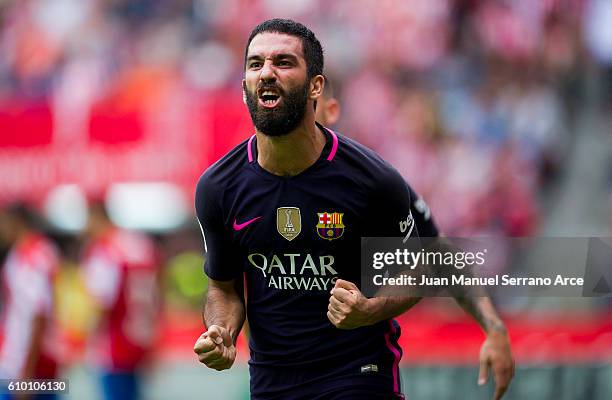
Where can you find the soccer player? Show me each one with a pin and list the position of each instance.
(328, 106)
(28, 330)
(120, 271)
(284, 212)
(327, 113)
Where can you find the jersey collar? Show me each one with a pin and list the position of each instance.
(329, 151)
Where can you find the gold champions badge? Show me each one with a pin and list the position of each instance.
(288, 222)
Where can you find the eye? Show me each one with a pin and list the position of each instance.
(284, 63)
(255, 64)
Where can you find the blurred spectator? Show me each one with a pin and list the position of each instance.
(328, 107)
(120, 270)
(28, 332)
(598, 36)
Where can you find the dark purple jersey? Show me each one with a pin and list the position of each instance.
(292, 237)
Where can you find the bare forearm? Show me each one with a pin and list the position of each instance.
(473, 299)
(383, 308)
(483, 312)
(224, 307)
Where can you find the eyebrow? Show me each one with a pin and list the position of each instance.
(274, 57)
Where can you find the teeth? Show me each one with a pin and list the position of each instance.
(268, 93)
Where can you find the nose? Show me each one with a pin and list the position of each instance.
(266, 74)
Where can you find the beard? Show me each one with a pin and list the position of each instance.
(283, 118)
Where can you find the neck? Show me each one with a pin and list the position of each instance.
(293, 153)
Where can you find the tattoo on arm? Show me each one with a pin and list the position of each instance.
(473, 299)
(483, 312)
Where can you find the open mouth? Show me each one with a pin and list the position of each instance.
(269, 98)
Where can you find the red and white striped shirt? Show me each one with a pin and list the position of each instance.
(120, 271)
(28, 278)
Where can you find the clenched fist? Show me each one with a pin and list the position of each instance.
(348, 308)
(215, 348)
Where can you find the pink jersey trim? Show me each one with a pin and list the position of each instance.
(249, 148)
(396, 357)
(332, 153)
(330, 157)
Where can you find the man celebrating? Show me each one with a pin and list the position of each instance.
(284, 213)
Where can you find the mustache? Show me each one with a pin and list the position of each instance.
(269, 86)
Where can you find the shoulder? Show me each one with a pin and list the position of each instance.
(367, 164)
(227, 167)
(223, 172)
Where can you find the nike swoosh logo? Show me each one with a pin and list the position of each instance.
(243, 225)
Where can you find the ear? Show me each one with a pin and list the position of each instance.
(317, 84)
(244, 95)
(332, 111)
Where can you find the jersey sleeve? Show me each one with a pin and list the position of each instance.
(399, 211)
(222, 262)
(421, 214)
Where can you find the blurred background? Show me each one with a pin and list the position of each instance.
(496, 112)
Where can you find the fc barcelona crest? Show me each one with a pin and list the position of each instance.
(288, 222)
(330, 225)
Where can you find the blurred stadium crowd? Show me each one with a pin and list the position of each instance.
(473, 101)
(469, 99)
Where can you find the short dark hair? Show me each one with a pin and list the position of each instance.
(25, 214)
(313, 52)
